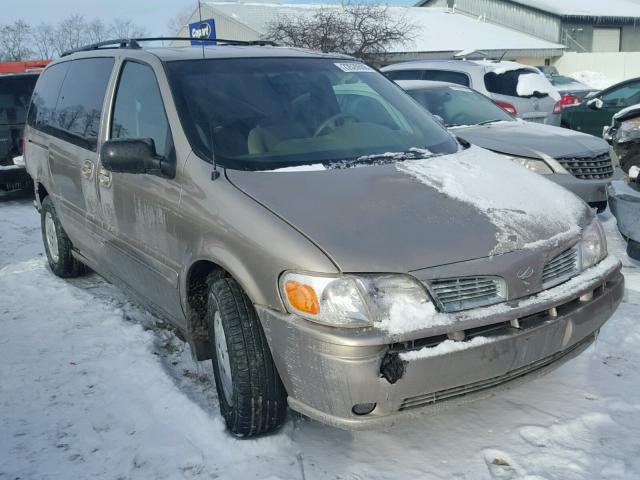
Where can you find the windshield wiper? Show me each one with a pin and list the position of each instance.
(487, 122)
(388, 157)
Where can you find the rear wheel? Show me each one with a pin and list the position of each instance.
(633, 249)
(251, 395)
(57, 245)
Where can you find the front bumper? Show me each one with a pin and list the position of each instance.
(591, 191)
(327, 371)
(14, 178)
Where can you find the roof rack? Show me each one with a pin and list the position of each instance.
(135, 43)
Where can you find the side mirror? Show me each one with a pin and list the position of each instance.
(135, 155)
(608, 132)
(595, 103)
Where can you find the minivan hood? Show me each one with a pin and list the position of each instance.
(417, 214)
(528, 139)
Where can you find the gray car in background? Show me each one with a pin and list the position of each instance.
(311, 229)
(580, 162)
(520, 89)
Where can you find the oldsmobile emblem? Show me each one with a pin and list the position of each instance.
(525, 272)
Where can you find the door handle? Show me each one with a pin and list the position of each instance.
(87, 169)
(104, 177)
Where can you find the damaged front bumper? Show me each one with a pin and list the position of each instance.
(331, 373)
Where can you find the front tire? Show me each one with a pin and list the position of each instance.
(251, 395)
(57, 245)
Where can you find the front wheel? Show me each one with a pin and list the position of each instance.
(57, 245)
(251, 395)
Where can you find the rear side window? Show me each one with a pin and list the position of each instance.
(45, 96)
(404, 74)
(138, 111)
(506, 83)
(77, 114)
(15, 94)
(446, 76)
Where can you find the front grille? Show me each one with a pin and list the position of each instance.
(588, 168)
(560, 268)
(451, 393)
(462, 293)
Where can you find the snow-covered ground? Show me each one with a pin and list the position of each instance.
(93, 387)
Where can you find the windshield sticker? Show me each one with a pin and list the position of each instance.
(354, 67)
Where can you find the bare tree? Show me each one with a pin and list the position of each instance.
(179, 20)
(42, 38)
(70, 33)
(121, 28)
(97, 31)
(363, 30)
(14, 41)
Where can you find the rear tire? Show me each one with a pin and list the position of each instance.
(633, 249)
(57, 245)
(252, 398)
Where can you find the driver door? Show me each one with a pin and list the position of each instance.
(141, 211)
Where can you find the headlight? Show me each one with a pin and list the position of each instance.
(349, 300)
(533, 164)
(594, 244)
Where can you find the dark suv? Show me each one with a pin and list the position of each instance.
(15, 94)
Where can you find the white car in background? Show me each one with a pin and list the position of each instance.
(520, 89)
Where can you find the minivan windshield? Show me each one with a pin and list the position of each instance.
(459, 106)
(267, 113)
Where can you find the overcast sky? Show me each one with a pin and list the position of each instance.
(153, 14)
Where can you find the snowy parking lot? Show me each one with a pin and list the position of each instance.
(92, 386)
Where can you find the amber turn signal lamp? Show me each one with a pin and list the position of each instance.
(302, 297)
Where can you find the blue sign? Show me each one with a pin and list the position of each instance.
(204, 29)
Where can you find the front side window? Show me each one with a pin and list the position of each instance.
(266, 113)
(138, 111)
(460, 106)
(79, 108)
(447, 76)
(624, 96)
(404, 74)
(15, 94)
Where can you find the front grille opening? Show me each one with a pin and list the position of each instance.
(463, 293)
(588, 168)
(560, 268)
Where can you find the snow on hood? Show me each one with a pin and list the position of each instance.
(627, 110)
(519, 216)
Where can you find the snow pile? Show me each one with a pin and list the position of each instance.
(448, 346)
(92, 387)
(527, 210)
(596, 80)
(530, 83)
(409, 318)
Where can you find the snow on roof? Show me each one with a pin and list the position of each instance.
(586, 8)
(438, 30)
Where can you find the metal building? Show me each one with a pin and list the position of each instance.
(581, 25)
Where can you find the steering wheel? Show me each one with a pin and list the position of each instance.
(335, 121)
